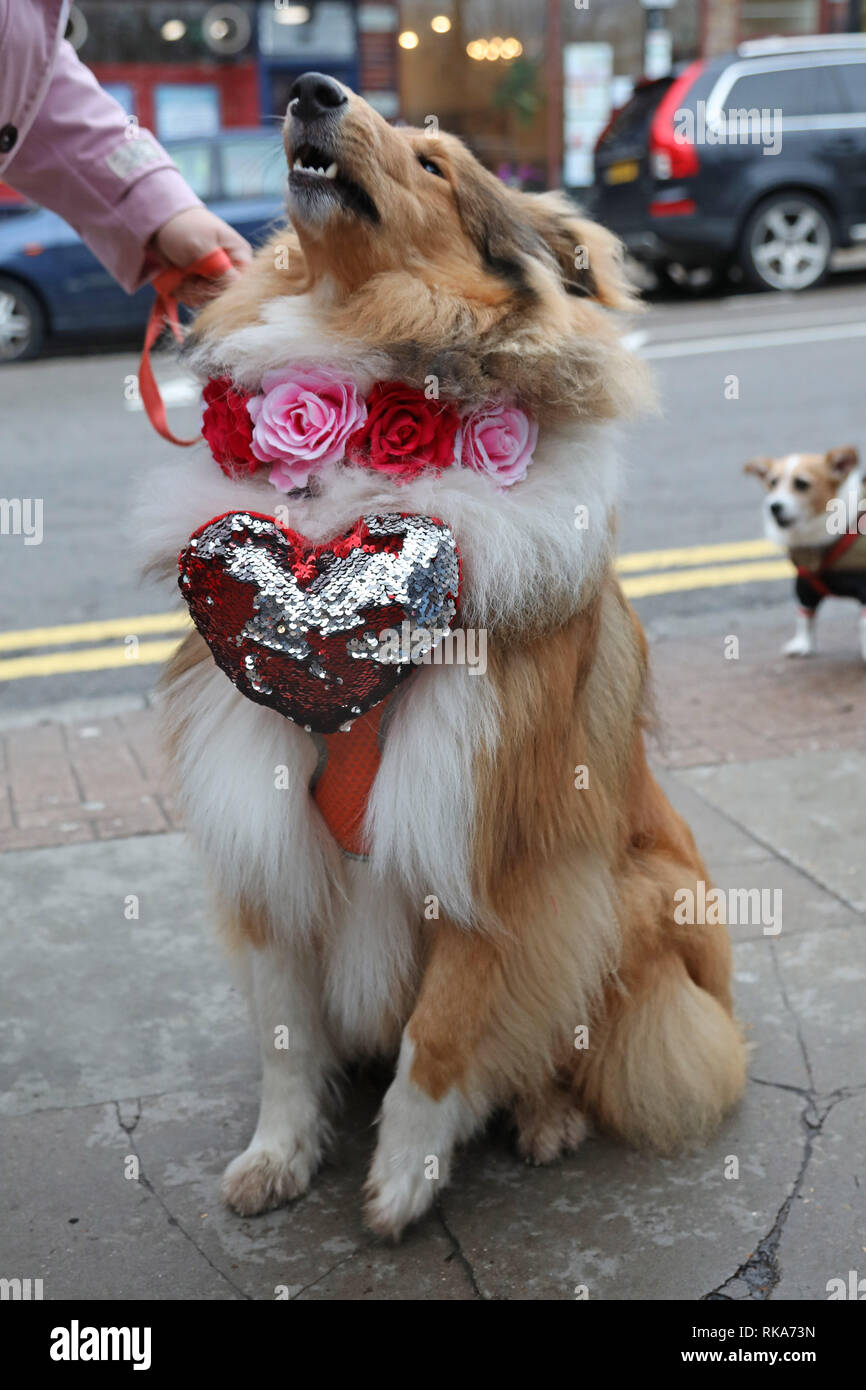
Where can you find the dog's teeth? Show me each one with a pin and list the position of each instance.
(297, 164)
(331, 171)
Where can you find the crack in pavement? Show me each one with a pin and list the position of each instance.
(760, 1273)
(148, 1186)
(459, 1252)
(798, 1031)
(344, 1261)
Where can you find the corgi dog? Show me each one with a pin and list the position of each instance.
(494, 911)
(815, 509)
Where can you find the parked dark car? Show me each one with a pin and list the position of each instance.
(682, 174)
(51, 284)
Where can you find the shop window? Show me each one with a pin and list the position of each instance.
(186, 108)
(759, 17)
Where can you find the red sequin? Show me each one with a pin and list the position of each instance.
(304, 628)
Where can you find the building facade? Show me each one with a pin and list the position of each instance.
(189, 67)
(528, 83)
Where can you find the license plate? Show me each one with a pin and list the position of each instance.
(626, 171)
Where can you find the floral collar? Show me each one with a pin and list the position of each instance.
(306, 417)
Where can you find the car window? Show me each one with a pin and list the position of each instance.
(806, 91)
(193, 159)
(852, 80)
(253, 167)
(632, 123)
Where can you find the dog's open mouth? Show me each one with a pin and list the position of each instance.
(315, 170)
(314, 163)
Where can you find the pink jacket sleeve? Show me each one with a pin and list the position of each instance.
(83, 158)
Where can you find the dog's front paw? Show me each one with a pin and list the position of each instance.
(799, 646)
(399, 1190)
(261, 1178)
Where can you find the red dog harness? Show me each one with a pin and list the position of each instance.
(834, 554)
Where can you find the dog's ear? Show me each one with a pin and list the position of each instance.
(842, 461)
(760, 467)
(589, 258)
(491, 219)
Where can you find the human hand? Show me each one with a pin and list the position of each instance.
(192, 234)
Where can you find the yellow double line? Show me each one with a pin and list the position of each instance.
(644, 575)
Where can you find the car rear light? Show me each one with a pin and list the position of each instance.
(672, 156)
(679, 207)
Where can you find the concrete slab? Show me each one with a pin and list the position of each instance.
(807, 809)
(96, 1006)
(72, 1219)
(824, 979)
(769, 1026)
(622, 1224)
(317, 1248)
(126, 1040)
(825, 1233)
(719, 837)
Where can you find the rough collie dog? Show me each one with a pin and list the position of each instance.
(499, 918)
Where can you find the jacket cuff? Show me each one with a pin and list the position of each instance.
(150, 202)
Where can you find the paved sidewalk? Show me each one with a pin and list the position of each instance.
(125, 1039)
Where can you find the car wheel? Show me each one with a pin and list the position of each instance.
(787, 243)
(22, 322)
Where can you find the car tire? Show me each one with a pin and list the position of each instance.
(22, 321)
(787, 242)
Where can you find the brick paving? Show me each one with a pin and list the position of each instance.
(95, 779)
(63, 781)
(761, 704)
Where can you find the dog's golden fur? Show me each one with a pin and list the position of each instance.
(481, 286)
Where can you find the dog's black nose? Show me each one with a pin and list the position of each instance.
(315, 94)
(777, 508)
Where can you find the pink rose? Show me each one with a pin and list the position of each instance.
(499, 440)
(302, 420)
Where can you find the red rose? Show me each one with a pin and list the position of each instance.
(404, 433)
(228, 429)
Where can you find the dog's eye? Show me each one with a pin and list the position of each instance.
(772, 483)
(429, 166)
(802, 484)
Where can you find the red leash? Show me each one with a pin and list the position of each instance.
(210, 267)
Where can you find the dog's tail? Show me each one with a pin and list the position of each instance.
(669, 1064)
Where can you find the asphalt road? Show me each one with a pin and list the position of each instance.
(67, 436)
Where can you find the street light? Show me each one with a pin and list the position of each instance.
(440, 24)
(172, 30)
(408, 39)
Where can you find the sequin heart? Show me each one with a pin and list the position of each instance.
(310, 630)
